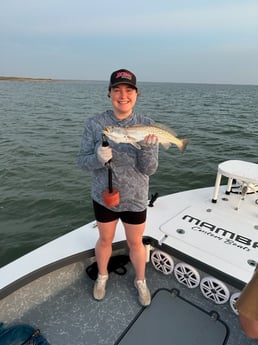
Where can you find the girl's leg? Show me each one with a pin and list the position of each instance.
(134, 233)
(103, 251)
(103, 248)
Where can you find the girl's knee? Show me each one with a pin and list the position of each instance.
(136, 246)
(105, 242)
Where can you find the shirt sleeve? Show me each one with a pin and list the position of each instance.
(147, 159)
(91, 140)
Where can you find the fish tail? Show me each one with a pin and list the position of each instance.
(182, 147)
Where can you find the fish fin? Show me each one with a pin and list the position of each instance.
(166, 128)
(157, 125)
(166, 145)
(185, 142)
(132, 141)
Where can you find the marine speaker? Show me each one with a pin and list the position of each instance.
(214, 290)
(187, 275)
(162, 261)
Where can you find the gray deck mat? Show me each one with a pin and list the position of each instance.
(170, 319)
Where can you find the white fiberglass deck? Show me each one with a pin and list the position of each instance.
(216, 234)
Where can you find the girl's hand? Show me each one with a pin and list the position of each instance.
(151, 139)
(104, 154)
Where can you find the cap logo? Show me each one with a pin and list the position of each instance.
(124, 75)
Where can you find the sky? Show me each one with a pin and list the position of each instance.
(197, 41)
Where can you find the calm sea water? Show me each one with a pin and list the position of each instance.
(43, 194)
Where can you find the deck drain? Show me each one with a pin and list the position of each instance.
(180, 231)
(252, 263)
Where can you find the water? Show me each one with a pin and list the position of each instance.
(43, 192)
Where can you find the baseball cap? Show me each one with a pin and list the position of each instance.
(122, 76)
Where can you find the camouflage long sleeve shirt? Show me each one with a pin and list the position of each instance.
(131, 167)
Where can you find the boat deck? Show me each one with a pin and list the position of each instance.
(72, 316)
(50, 290)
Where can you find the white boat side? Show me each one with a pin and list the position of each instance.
(218, 235)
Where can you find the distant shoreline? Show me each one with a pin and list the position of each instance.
(24, 79)
(8, 78)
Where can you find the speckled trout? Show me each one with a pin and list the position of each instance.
(133, 135)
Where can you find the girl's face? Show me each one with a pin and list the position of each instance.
(123, 98)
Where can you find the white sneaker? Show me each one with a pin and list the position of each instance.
(144, 295)
(99, 289)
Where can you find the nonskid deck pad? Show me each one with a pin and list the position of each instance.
(170, 319)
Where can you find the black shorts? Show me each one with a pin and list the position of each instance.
(104, 215)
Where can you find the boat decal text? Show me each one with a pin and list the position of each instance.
(221, 234)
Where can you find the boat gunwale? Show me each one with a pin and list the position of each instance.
(51, 267)
(87, 254)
